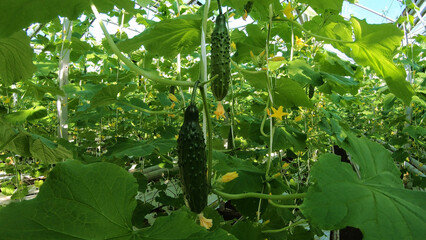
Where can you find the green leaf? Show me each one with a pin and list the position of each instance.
(181, 225)
(106, 96)
(374, 161)
(28, 144)
(375, 203)
(339, 84)
(20, 193)
(329, 62)
(246, 230)
(253, 42)
(372, 49)
(168, 37)
(288, 93)
(325, 4)
(301, 72)
(257, 79)
(24, 115)
(289, 137)
(17, 15)
(75, 202)
(38, 91)
(47, 153)
(16, 57)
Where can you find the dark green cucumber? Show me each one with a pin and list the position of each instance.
(220, 58)
(192, 161)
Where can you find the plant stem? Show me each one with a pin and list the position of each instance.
(209, 136)
(281, 205)
(258, 195)
(150, 75)
(285, 228)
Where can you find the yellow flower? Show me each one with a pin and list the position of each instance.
(298, 118)
(299, 42)
(286, 165)
(229, 177)
(276, 175)
(287, 11)
(173, 97)
(220, 111)
(251, 54)
(205, 222)
(245, 15)
(120, 109)
(278, 114)
(233, 46)
(7, 100)
(231, 15)
(173, 105)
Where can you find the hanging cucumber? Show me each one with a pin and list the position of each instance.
(192, 159)
(220, 58)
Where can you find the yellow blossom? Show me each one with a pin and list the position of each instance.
(120, 109)
(278, 114)
(299, 42)
(287, 11)
(233, 46)
(173, 97)
(262, 53)
(298, 118)
(220, 111)
(231, 15)
(245, 15)
(229, 177)
(7, 100)
(276, 175)
(251, 54)
(286, 165)
(205, 222)
(173, 106)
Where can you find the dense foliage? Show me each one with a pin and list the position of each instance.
(305, 139)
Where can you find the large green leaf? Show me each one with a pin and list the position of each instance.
(16, 58)
(77, 201)
(325, 4)
(257, 79)
(375, 202)
(24, 115)
(168, 37)
(249, 177)
(374, 161)
(288, 93)
(374, 46)
(181, 225)
(329, 62)
(254, 42)
(26, 144)
(106, 96)
(20, 14)
(301, 72)
(339, 84)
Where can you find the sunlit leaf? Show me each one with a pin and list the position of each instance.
(16, 57)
